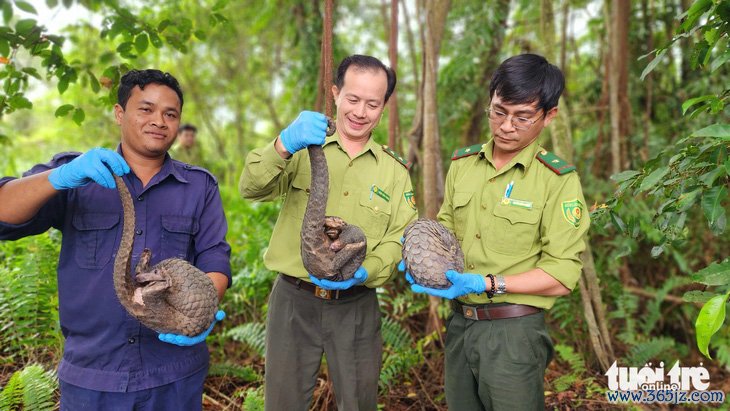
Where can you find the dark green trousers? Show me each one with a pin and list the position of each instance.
(496, 365)
(301, 327)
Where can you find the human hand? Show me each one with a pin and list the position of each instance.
(91, 166)
(361, 274)
(184, 340)
(309, 128)
(461, 284)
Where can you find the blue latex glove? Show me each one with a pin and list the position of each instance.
(402, 268)
(461, 284)
(185, 341)
(358, 278)
(91, 166)
(310, 128)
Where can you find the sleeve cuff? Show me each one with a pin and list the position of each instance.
(270, 157)
(374, 267)
(567, 272)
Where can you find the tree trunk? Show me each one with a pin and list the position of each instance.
(433, 174)
(649, 80)
(473, 132)
(393, 121)
(618, 84)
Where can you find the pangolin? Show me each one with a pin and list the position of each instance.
(172, 296)
(429, 250)
(331, 249)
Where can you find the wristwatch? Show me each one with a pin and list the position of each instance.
(501, 285)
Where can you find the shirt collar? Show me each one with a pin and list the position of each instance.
(371, 146)
(169, 167)
(523, 158)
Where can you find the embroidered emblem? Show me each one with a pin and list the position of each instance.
(380, 193)
(572, 212)
(410, 199)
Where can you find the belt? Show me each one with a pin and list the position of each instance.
(324, 293)
(491, 312)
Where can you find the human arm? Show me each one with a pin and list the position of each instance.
(22, 198)
(267, 172)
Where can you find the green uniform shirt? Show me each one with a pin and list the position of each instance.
(541, 224)
(191, 155)
(372, 191)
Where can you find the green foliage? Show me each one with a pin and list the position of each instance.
(28, 298)
(31, 388)
(254, 399)
(709, 321)
(576, 364)
(245, 373)
(655, 348)
(251, 334)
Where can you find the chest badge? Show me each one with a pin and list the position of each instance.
(379, 192)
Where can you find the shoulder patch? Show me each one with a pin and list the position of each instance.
(556, 164)
(466, 151)
(397, 158)
(187, 166)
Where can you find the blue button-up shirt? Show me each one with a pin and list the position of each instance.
(178, 214)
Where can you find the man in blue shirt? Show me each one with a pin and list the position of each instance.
(110, 360)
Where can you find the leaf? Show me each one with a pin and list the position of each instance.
(696, 11)
(652, 179)
(25, 6)
(687, 200)
(79, 116)
(7, 11)
(64, 110)
(697, 296)
(709, 321)
(714, 274)
(716, 130)
(708, 179)
(18, 101)
(51, 3)
(617, 222)
(163, 25)
(141, 42)
(691, 102)
(62, 84)
(4, 48)
(652, 64)
(656, 251)
(719, 61)
(155, 40)
(93, 81)
(624, 175)
(714, 211)
(125, 47)
(25, 26)
(200, 35)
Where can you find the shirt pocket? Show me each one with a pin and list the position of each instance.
(374, 218)
(297, 197)
(512, 230)
(96, 236)
(461, 213)
(176, 236)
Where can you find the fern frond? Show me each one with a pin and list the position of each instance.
(31, 388)
(254, 399)
(251, 334)
(394, 335)
(652, 349)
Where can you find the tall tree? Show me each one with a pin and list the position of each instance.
(618, 79)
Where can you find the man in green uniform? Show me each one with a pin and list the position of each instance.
(369, 187)
(188, 149)
(519, 214)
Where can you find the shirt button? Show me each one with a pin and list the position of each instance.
(350, 165)
(491, 180)
(376, 208)
(346, 193)
(471, 266)
(138, 232)
(306, 190)
(131, 340)
(484, 206)
(479, 235)
(140, 198)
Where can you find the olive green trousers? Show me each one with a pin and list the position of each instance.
(498, 364)
(300, 328)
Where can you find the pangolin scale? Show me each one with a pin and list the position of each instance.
(429, 250)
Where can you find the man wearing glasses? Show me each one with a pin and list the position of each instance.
(518, 212)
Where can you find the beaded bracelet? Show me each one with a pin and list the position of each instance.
(490, 293)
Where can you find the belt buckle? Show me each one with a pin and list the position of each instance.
(469, 312)
(322, 293)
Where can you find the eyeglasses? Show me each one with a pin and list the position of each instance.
(519, 123)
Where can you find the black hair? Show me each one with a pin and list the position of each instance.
(528, 78)
(142, 78)
(365, 62)
(186, 127)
